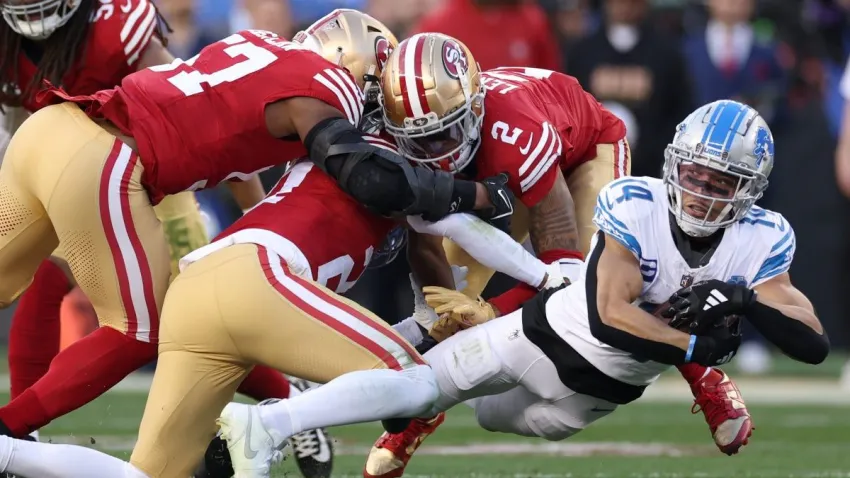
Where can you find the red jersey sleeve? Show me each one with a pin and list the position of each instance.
(122, 31)
(526, 148)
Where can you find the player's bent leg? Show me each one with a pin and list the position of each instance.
(27, 236)
(35, 332)
(467, 365)
(181, 220)
(188, 393)
(521, 412)
(612, 161)
(78, 375)
(45, 460)
(303, 329)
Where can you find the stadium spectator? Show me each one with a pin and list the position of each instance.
(500, 32)
(729, 60)
(639, 75)
(187, 37)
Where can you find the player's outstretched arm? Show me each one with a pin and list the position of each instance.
(378, 178)
(489, 246)
(786, 318)
(613, 282)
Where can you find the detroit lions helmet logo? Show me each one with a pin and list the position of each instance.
(764, 146)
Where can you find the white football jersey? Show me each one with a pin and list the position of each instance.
(633, 211)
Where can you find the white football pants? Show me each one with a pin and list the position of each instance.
(511, 384)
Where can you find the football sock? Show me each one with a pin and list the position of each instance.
(693, 372)
(78, 375)
(35, 332)
(45, 460)
(264, 382)
(356, 397)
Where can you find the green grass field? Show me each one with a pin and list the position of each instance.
(654, 438)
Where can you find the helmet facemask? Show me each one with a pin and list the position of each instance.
(447, 143)
(706, 193)
(38, 20)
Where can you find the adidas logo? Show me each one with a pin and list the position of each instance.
(714, 298)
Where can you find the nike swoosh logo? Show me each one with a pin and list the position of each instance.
(524, 151)
(507, 203)
(602, 410)
(250, 453)
(324, 454)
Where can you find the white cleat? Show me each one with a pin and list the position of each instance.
(253, 448)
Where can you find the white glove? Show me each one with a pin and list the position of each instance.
(570, 268)
(563, 269)
(422, 314)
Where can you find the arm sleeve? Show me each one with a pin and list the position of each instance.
(486, 244)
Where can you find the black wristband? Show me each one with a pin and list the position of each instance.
(463, 196)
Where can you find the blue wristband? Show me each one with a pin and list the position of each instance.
(690, 351)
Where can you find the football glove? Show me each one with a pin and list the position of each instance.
(706, 304)
(503, 202)
(437, 327)
(464, 311)
(718, 346)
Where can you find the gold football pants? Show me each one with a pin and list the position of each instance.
(585, 182)
(237, 307)
(81, 188)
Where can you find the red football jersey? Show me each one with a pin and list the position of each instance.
(336, 234)
(534, 121)
(202, 121)
(119, 33)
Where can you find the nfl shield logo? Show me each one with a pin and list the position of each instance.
(687, 280)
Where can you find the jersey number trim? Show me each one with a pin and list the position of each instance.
(190, 82)
(340, 267)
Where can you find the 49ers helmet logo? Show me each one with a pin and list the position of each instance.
(454, 59)
(383, 49)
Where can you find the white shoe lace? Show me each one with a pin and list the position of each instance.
(305, 444)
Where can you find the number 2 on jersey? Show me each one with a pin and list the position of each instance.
(190, 82)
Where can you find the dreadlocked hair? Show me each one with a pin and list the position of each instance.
(62, 50)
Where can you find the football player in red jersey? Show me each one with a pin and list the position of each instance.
(85, 46)
(559, 147)
(293, 320)
(162, 132)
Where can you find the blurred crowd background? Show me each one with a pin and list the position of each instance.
(650, 62)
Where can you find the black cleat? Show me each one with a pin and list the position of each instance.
(312, 449)
(216, 462)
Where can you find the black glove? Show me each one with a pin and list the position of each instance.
(717, 347)
(704, 305)
(503, 200)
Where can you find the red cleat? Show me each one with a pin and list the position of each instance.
(725, 411)
(390, 454)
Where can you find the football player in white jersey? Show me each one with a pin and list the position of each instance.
(573, 355)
